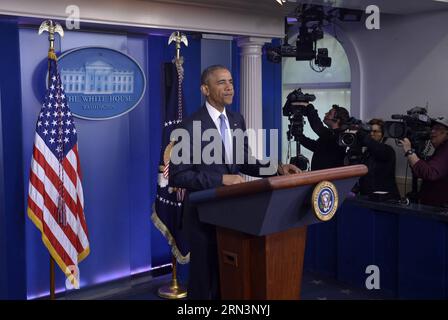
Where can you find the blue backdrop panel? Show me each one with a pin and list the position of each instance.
(192, 69)
(356, 250)
(216, 51)
(422, 258)
(12, 211)
(140, 177)
(3, 247)
(272, 99)
(115, 158)
(157, 47)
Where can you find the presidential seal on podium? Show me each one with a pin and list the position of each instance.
(325, 200)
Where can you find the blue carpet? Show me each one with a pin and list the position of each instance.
(314, 287)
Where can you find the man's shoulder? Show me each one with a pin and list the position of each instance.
(202, 113)
(195, 116)
(235, 116)
(389, 149)
(441, 152)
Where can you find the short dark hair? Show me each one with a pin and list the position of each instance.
(341, 114)
(378, 122)
(209, 70)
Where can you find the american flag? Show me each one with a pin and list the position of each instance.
(55, 197)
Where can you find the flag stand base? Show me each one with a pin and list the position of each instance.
(173, 290)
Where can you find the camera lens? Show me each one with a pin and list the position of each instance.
(348, 139)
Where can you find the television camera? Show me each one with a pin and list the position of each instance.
(349, 138)
(414, 125)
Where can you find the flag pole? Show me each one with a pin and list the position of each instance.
(52, 287)
(174, 290)
(52, 28)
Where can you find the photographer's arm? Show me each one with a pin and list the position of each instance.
(433, 169)
(412, 157)
(308, 143)
(381, 151)
(315, 122)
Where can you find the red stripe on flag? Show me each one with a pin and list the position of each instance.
(82, 219)
(52, 208)
(53, 177)
(70, 171)
(50, 236)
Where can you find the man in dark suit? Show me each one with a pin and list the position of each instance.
(193, 175)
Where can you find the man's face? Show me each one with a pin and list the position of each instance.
(328, 119)
(376, 133)
(219, 89)
(439, 134)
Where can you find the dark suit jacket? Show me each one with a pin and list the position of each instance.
(194, 177)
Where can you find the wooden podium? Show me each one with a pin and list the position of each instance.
(261, 230)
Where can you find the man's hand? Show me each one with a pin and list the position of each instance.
(412, 157)
(406, 144)
(229, 179)
(305, 107)
(287, 169)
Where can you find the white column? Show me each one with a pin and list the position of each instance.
(251, 86)
(251, 90)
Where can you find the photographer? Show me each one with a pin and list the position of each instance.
(380, 159)
(327, 153)
(434, 170)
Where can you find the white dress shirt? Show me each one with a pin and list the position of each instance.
(214, 114)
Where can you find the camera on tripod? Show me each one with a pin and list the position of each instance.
(296, 101)
(293, 109)
(414, 125)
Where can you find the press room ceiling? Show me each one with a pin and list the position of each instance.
(272, 7)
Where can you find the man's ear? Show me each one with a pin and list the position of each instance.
(337, 123)
(204, 90)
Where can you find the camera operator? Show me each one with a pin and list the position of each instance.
(327, 153)
(380, 159)
(434, 170)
